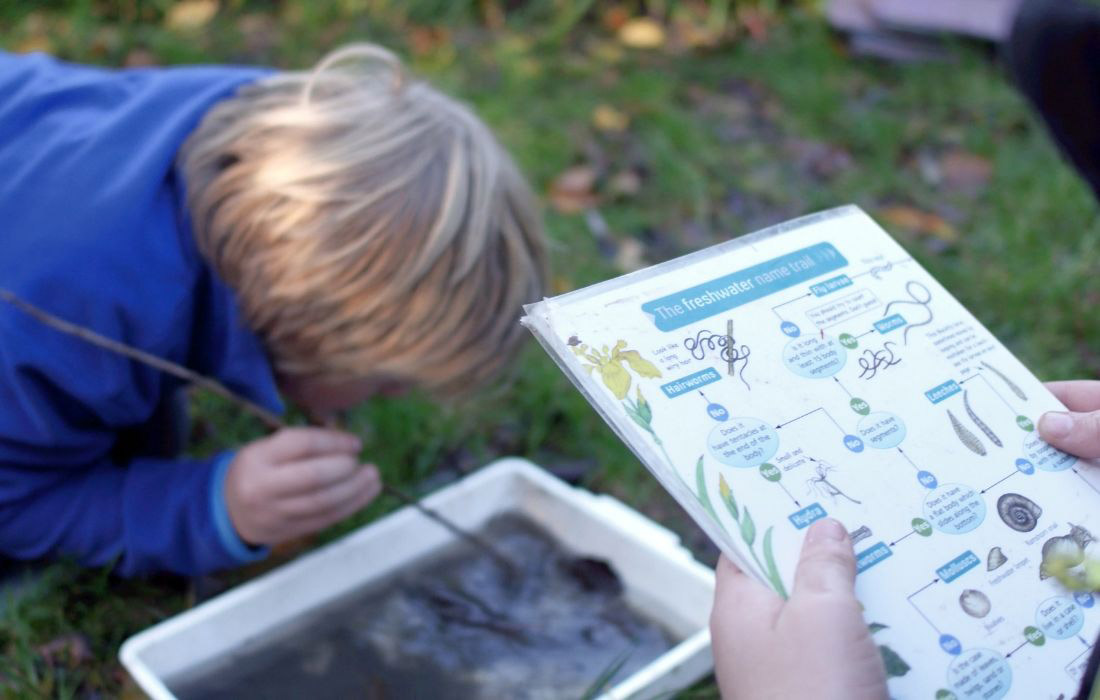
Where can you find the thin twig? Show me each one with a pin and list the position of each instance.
(269, 419)
(176, 370)
(449, 525)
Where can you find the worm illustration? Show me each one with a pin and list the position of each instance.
(965, 436)
(978, 422)
(1011, 384)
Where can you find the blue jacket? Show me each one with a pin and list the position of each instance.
(94, 229)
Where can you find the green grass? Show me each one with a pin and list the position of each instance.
(720, 138)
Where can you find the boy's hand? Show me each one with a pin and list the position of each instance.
(1078, 431)
(814, 645)
(296, 482)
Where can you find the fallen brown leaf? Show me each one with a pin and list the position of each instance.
(189, 15)
(572, 190)
(615, 17)
(425, 40)
(965, 171)
(642, 33)
(756, 21)
(607, 118)
(630, 255)
(36, 30)
(625, 183)
(33, 43)
(918, 221)
(139, 58)
(689, 34)
(561, 285)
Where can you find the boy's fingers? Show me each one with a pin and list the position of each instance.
(330, 498)
(311, 474)
(731, 586)
(827, 564)
(1077, 394)
(290, 444)
(740, 601)
(338, 512)
(1075, 433)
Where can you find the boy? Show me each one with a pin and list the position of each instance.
(332, 234)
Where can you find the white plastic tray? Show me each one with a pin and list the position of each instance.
(659, 576)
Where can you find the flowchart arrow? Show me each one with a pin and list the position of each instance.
(911, 462)
(919, 611)
(1012, 474)
(789, 494)
(1022, 645)
(1082, 478)
(908, 534)
(827, 415)
(841, 385)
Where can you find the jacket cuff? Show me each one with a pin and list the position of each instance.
(237, 548)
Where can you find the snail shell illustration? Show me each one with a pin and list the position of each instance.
(995, 559)
(974, 603)
(1081, 536)
(1018, 512)
(1064, 548)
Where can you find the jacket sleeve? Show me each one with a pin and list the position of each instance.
(149, 515)
(65, 492)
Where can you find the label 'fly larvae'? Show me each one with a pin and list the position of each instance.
(965, 436)
(978, 422)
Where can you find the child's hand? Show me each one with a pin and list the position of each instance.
(296, 482)
(814, 645)
(1076, 432)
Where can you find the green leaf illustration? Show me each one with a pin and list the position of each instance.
(643, 423)
(773, 570)
(748, 528)
(701, 487)
(876, 627)
(644, 409)
(895, 665)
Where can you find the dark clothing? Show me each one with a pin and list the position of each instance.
(1054, 56)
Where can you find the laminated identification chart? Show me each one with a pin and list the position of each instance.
(815, 369)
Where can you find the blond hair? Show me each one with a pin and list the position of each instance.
(369, 224)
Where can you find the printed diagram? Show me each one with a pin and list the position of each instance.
(920, 297)
(821, 485)
(948, 508)
(813, 385)
(873, 360)
(724, 347)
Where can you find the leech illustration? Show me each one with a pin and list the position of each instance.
(995, 560)
(911, 288)
(965, 436)
(874, 360)
(1018, 512)
(979, 422)
(724, 346)
(1008, 382)
(975, 603)
(821, 484)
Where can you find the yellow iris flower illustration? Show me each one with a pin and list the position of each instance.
(612, 364)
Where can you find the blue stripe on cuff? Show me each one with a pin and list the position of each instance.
(234, 545)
